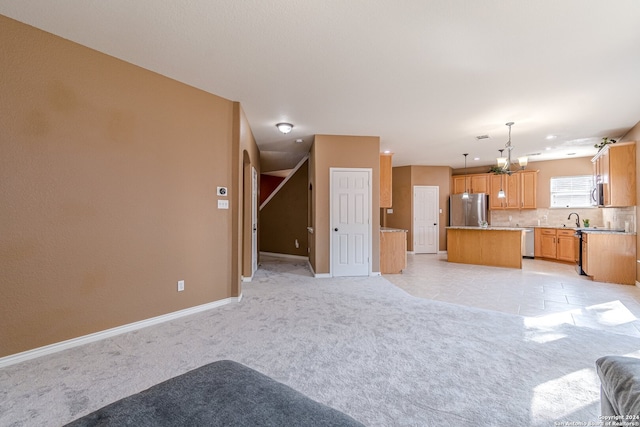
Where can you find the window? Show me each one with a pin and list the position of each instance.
(571, 191)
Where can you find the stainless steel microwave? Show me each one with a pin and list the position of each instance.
(597, 195)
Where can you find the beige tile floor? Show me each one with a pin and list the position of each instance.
(543, 290)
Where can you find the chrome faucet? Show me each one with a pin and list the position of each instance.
(577, 218)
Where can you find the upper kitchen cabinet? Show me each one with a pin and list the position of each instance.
(615, 169)
(520, 190)
(474, 183)
(385, 180)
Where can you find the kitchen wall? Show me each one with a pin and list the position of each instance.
(403, 181)
(108, 177)
(634, 135)
(340, 151)
(556, 217)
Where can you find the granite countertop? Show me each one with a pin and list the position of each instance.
(467, 227)
(392, 230)
(588, 229)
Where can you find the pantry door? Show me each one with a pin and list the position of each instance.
(425, 219)
(350, 221)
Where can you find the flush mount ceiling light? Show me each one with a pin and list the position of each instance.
(284, 127)
(504, 163)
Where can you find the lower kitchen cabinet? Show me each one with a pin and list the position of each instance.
(609, 257)
(393, 250)
(555, 243)
(566, 245)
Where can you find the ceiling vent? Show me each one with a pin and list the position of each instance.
(479, 137)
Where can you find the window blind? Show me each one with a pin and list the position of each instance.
(571, 191)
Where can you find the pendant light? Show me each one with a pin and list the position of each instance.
(504, 163)
(465, 195)
(501, 194)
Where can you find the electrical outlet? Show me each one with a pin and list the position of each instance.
(180, 285)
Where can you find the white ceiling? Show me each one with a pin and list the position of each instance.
(427, 76)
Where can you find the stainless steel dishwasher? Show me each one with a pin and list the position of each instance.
(528, 248)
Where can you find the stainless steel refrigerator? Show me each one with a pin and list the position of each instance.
(468, 212)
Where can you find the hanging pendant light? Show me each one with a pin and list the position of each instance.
(501, 162)
(465, 195)
(504, 163)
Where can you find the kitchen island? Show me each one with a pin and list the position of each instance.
(494, 246)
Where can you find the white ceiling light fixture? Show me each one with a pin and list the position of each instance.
(504, 163)
(284, 127)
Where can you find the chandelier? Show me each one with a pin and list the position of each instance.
(504, 163)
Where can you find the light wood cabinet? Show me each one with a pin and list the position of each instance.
(520, 190)
(615, 169)
(495, 247)
(385, 180)
(585, 251)
(474, 183)
(554, 243)
(529, 189)
(609, 257)
(393, 251)
(566, 245)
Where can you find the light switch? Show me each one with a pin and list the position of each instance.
(223, 204)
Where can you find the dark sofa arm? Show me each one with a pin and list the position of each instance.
(620, 385)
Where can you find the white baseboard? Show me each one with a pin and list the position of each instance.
(322, 275)
(247, 279)
(288, 256)
(375, 273)
(97, 336)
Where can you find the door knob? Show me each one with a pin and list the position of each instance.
(335, 229)
(435, 223)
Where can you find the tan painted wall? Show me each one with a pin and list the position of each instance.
(341, 152)
(108, 175)
(634, 135)
(284, 218)
(438, 176)
(250, 158)
(556, 168)
(402, 202)
(313, 203)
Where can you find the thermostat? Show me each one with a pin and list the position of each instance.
(222, 191)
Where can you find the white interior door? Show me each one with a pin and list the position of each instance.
(425, 219)
(350, 222)
(254, 221)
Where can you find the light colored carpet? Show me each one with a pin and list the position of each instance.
(360, 345)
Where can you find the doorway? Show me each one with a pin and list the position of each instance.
(425, 219)
(350, 222)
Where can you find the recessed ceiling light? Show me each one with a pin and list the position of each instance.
(548, 148)
(387, 152)
(299, 140)
(479, 137)
(476, 158)
(551, 136)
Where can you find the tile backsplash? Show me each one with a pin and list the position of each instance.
(557, 217)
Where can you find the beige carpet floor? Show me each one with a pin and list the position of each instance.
(360, 345)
